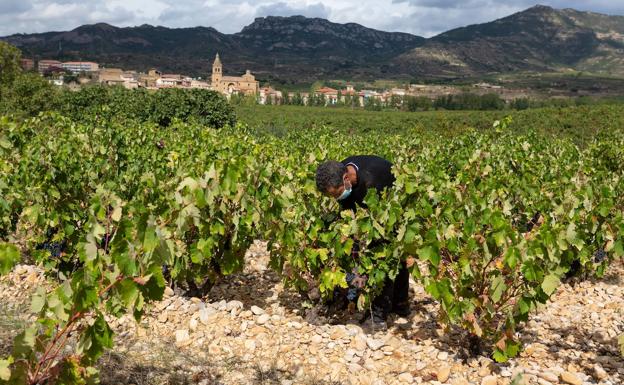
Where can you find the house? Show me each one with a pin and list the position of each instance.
(269, 93)
(173, 81)
(111, 76)
(484, 85)
(149, 79)
(195, 83)
(330, 95)
(350, 96)
(27, 64)
(49, 65)
(130, 79)
(369, 94)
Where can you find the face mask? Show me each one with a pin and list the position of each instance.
(345, 194)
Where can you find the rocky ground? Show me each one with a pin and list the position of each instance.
(251, 331)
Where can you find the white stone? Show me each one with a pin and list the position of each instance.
(257, 310)
(600, 373)
(193, 324)
(233, 305)
(489, 380)
(182, 336)
(548, 376)
(374, 344)
(406, 377)
(262, 319)
(250, 345)
(206, 314)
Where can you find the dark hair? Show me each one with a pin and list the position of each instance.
(330, 174)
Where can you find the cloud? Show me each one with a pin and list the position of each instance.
(284, 9)
(8, 7)
(420, 17)
(30, 16)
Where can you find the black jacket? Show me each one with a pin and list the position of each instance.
(372, 171)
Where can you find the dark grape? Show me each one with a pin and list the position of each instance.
(352, 294)
(54, 248)
(599, 256)
(350, 277)
(533, 222)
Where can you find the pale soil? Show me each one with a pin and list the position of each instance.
(251, 331)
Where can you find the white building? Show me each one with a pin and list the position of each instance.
(173, 81)
(80, 66)
(195, 83)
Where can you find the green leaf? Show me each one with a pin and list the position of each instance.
(497, 289)
(512, 349)
(127, 265)
(511, 257)
(429, 253)
(499, 238)
(96, 338)
(571, 233)
(128, 291)
(618, 249)
(330, 279)
(154, 288)
(442, 291)
(550, 284)
(37, 302)
(5, 372)
(531, 271)
(151, 241)
(499, 356)
(90, 250)
(24, 343)
(9, 257)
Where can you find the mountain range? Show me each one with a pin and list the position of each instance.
(298, 49)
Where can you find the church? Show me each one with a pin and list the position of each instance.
(246, 84)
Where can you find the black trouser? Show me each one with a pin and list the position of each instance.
(394, 293)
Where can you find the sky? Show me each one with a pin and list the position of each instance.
(420, 17)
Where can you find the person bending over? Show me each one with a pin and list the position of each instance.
(348, 181)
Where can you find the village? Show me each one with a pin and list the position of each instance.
(246, 85)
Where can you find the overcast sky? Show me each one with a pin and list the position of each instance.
(420, 17)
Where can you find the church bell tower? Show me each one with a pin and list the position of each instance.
(217, 69)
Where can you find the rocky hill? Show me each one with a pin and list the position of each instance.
(300, 49)
(540, 38)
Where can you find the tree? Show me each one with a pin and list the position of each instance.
(492, 101)
(396, 102)
(10, 58)
(29, 94)
(297, 100)
(416, 103)
(372, 104)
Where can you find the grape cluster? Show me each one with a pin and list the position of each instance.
(356, 282)
(352, 294)
(55, 248)
(599, 256)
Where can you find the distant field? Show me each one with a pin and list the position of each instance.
(579, 123)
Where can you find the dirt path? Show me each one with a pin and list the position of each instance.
(252, 331)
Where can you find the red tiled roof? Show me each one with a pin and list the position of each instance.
(327, 90)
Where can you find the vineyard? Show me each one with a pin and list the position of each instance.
(115, 208)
